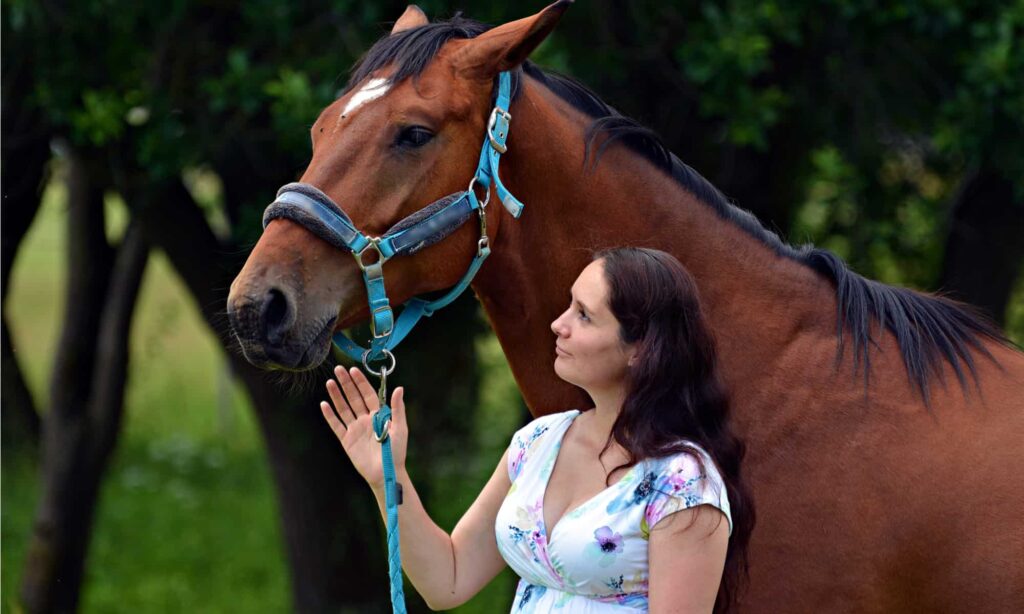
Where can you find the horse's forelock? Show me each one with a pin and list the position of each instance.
(410, 51)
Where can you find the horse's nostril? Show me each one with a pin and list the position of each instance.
(275, 316)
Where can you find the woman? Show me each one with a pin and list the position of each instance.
(634, 504)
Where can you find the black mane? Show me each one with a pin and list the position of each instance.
(928, 328)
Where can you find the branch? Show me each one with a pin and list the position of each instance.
(112, 350)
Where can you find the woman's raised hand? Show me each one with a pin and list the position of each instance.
(351, 419)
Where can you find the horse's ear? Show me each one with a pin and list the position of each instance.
(508, 45)
(411, 18)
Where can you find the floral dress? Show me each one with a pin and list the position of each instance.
(595, 559)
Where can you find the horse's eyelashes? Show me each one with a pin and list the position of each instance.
(413, 136)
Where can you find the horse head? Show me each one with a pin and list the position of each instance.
(401, 137)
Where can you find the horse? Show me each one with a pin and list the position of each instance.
(883, 425)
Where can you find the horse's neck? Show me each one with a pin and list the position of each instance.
(756, 301)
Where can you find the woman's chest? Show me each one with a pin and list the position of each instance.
(578, 476)
(597, 548)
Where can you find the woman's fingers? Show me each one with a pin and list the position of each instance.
(368, 394)
(336, 425)
(344, 412)
(398, 404)
(355, 398)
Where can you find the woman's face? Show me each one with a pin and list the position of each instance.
(588, 350)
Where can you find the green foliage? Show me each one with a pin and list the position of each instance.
(724, 53)
(903, 248)
(983, 118)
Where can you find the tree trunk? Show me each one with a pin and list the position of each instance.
(87, 393)
(25, 150)
(984, 247)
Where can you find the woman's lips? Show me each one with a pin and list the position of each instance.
(559, 351)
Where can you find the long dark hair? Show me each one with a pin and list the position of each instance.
(674, 393)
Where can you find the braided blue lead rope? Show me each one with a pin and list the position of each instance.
(392, 499)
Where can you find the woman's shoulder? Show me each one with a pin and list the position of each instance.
(687, 478)
(693, 461)
(527, 440)
(540, 425)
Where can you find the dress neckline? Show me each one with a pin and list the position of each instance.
(555, 449)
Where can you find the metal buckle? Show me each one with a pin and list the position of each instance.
(491, 122)
(373, 327)
(374, 243)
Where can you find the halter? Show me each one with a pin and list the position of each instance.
(308, 206)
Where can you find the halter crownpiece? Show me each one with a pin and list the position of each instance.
(308, 206)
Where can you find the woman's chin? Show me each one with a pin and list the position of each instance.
(561, 372)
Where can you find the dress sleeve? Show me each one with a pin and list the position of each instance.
(681, 484)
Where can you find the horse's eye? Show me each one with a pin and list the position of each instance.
(413, 136)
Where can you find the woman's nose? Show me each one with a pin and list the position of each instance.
(556, 326)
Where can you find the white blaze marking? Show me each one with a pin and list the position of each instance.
(373, 90)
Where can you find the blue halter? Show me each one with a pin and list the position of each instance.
(306, 205)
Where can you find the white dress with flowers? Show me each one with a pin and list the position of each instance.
(595, 561)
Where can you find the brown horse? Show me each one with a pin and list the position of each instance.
(889, 484)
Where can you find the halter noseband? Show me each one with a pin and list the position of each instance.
(306, 205)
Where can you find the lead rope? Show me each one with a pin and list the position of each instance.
(392, 489)
(486, 176)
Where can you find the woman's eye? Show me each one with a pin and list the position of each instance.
(413, 136)
(583, 315)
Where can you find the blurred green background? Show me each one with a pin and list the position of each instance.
(891, 135)
(187, 519)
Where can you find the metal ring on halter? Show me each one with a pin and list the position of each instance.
(375, 244)
(487, 198)
(385, 372)
(381, 438)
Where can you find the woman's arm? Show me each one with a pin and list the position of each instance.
(446, 570)
(687, 554)
(449, 570)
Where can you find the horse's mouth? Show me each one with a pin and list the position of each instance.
(319, 348)
(292, 356)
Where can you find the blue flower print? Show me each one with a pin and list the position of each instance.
(636, 496)
(516, 534)
(615, 585)
(517, 458)
(529, 592)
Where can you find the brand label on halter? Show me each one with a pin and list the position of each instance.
(374, 89)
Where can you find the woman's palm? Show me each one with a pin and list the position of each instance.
(355, 403)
